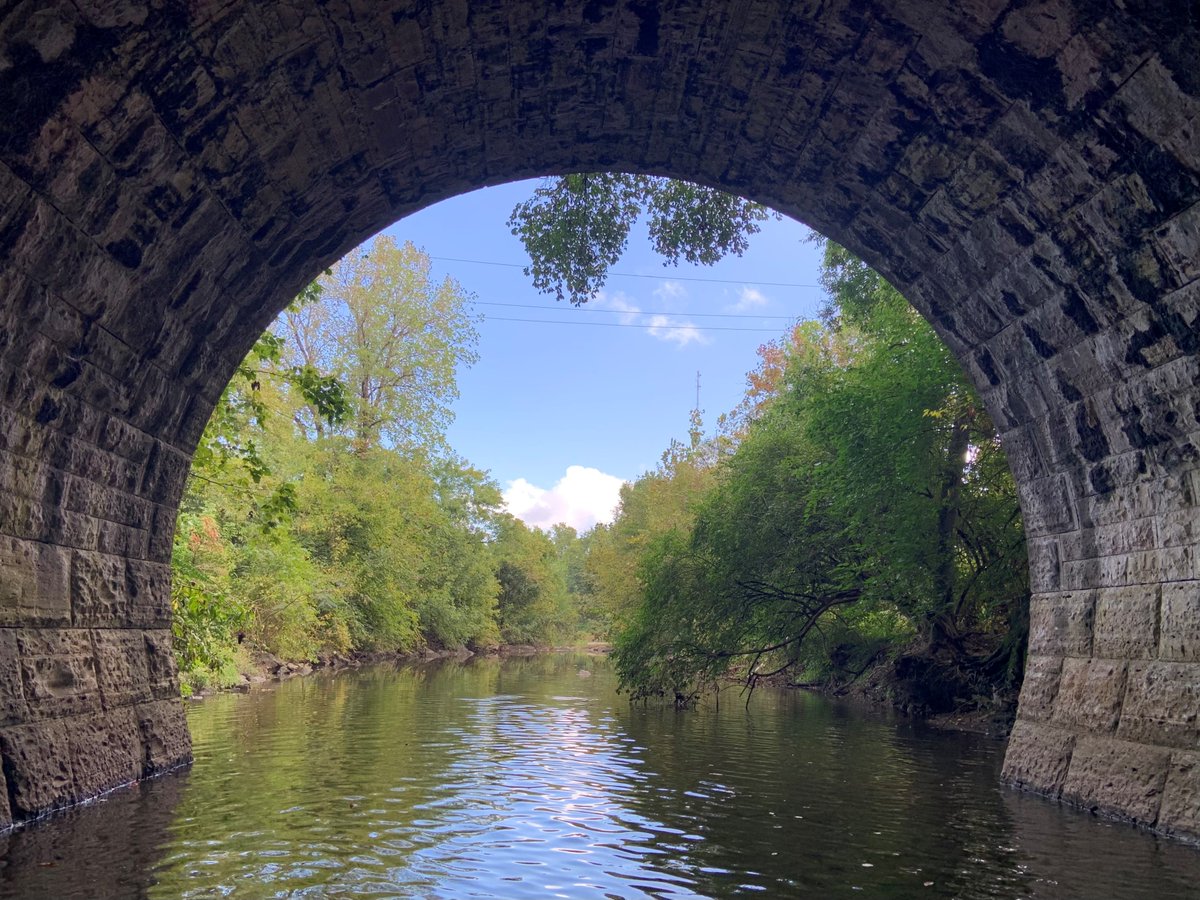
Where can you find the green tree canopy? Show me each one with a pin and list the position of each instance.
(394, 336)
(866, 504)
(576, 227)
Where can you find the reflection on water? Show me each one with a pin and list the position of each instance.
(108, 848)
(522, 778)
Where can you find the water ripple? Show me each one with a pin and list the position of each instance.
(517, 779)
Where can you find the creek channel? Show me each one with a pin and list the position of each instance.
(532, 777)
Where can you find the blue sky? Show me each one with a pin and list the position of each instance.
(561, 412)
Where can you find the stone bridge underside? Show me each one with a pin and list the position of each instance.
(1027, 173)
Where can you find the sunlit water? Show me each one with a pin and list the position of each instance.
(532, 778)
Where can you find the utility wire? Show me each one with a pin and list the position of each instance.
(787, 284)
(631, 312)
(631, 325)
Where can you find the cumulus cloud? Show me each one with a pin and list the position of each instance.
(629, 311)
(671, 329)
(682, 334)
(749, 298)
(581, 498)
(670, 290)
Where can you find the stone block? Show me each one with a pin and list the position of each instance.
(161, 535)
(1124, 537)
(1147, 567)
(98, 589)
(1048, 505)
(1180, 813)
(58, 672)
(160, 657)
(1162, 704)
(1080, 574)
(110, 591)
(37, 765)
(1021, 448)
(1117, 778)
(1143, 499)
(103, 502)
(1090, 693)
(106, 750)
(6, 818)
(13, 710)
(1040, 687)
(35, 587)
(1127, 624)
(1045, 569)
(1179, 242)
(1179, 635)
(164, 474)
(1180, 528)
(121, 540)
(124, 671)
(1061, 624)
(1038, 757)
(165, 737)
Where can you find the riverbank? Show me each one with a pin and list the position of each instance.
(883, 686)
(259, 667)
(918, 693)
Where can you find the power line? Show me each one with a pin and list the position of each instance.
(787, 284)
(632, 312)
(631, 325)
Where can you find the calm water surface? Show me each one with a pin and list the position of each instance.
(531, 778)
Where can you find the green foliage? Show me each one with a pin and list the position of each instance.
(323, 514)
(573, 552)
(576, 227)
(535, 606)
(382, 327)
(458, 604)
(867, 505)
(289, 595)
(206, 614)
(656, 503)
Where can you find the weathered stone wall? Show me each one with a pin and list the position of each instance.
(1027, 172)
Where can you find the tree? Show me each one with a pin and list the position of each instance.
(457, 603)
(749, 574)
(576, 227)
(394, 336)
(320, 519)
(234, 515)
(867, 504)
(534, 603)
(858, 490)
(655, 503)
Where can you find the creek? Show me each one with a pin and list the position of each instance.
(531, 777)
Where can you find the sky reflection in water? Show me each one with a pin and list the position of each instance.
(524, 778)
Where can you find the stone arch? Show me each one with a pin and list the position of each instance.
(1027, 173)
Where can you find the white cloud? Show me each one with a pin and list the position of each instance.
(749, 298)
(670, 290)
(672, 329)
(581, 498)
(681, 333)
(622, 304)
